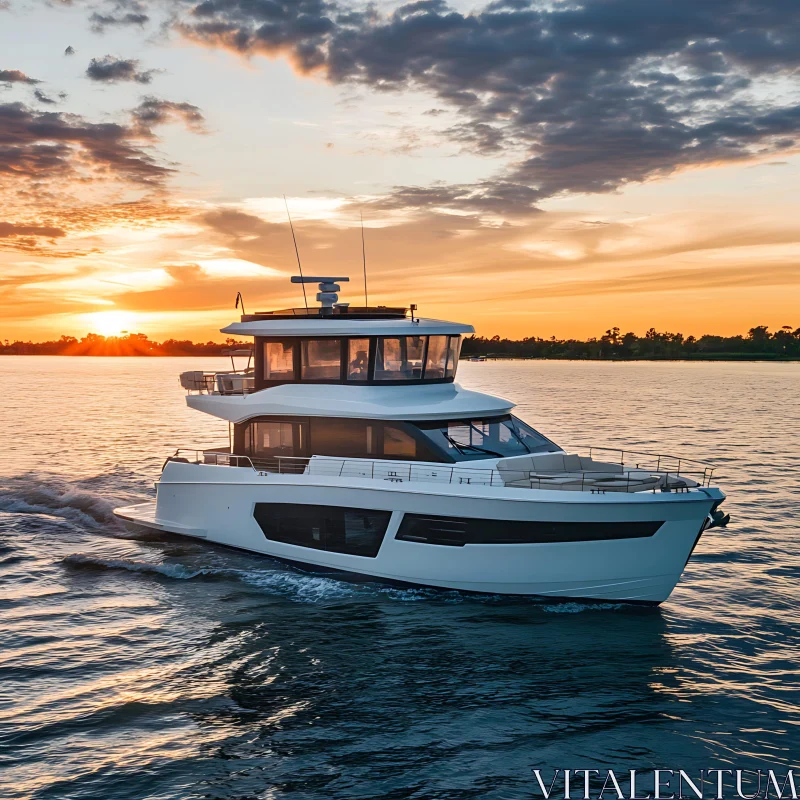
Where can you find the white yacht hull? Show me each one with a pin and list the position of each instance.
(217, 503)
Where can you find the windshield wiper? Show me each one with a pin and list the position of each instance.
(513, 429)
(461, 447)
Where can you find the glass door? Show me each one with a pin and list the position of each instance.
(279, 445)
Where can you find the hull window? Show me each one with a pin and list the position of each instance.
(459, 531)
(353, 531)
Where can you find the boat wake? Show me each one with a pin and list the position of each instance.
(176, 571)
(59, 500)
(31, 494)
(301, 587)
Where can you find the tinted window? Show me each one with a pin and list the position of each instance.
(321, 359)
(278, 361)
(453, 349)
(495, 437)
(355, 531)
(397, 443)
(270, 438)
(533, 440)
(352, 438)
(459, 531)
(437, 357)
(358, 359)
(399, 358)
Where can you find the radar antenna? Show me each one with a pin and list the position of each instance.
(297, 253)
(364, 259)
(327, 291)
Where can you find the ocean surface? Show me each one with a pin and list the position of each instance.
(157, 667)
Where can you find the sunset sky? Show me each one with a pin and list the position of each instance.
(535, 168)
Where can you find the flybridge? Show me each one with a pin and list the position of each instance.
(330, 306)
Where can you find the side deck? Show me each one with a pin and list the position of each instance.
(633, 472)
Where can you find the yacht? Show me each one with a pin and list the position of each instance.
(354, 452)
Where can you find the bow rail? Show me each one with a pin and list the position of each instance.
(678, 475)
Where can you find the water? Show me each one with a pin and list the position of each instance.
(161, 668)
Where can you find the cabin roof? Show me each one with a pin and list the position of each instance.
(344, 325)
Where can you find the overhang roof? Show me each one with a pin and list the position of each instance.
(409, 402)
(341, 326)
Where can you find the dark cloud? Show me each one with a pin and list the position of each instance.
(300, 29)
(153, 111)
(46, 99)
(47, 146)
(110, 69)
(15, 76)
(8, 229)
(33, 239)
(596, 94)
(100, 22)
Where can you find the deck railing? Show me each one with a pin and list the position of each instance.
(633, 478)
(654, 462)
(226, 382)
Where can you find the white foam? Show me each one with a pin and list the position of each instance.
(57, 499)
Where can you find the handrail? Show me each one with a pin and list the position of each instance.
(202, 382)
(596, 481)
(678, 462)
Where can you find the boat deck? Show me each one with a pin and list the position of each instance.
(143, 515)
(572, 473)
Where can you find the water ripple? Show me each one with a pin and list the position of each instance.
(155, 667)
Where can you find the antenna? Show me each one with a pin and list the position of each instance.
(297, 253)
(240, 299)
(364, 259)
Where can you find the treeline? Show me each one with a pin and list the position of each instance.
(759, 343)
(131, 344)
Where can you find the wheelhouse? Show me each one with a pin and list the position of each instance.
(359, 360)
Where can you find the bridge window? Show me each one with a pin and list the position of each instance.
(453, 349)
(358, 360)
(399, 358)
(321, 360)
(437, 357)
(279, 361)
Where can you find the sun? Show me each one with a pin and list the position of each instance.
(111, 323)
